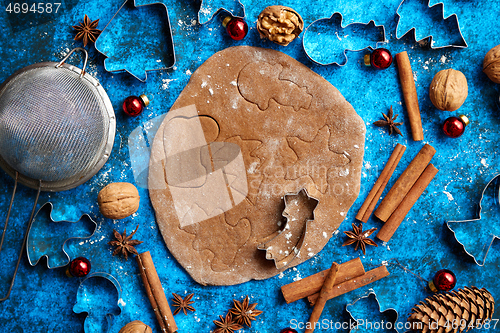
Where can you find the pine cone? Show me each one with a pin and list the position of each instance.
(454, 311)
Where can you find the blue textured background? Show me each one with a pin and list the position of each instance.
(42, 299)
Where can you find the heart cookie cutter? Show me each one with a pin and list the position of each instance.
(478, 246)
(316, 50)
(454, 17)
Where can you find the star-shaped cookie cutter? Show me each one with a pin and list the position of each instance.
(479, 245)
(41, 244)
(287, 257)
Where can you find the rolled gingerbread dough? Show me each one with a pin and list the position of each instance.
(252, 129)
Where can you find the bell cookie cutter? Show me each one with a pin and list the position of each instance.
(86, 302)
(165, 51)
(52, 245)
(288, 236)
(389, 325)
(426, 3)
(208, 9)
(479, 245)
(315, 48)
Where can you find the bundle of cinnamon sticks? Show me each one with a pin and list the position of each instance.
(351, 275)
(403, 194)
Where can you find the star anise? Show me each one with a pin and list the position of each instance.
(87, 31)
(360, 238)
(183, 303)
(125, 244)
(226, 325)
(244, 313)
(389, 122)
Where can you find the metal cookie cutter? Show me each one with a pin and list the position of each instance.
(48, 238)
(362, 311)
(152, 52)
(449, 25)
(96, 299)
(477, 235)
(286, 246)
(208, 10)
(329, 31)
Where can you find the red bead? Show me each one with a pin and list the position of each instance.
(134, 105)
(288, 330)
(237, 28)
(444, 280)
(78, 267)
(380, 58)
(454, 127)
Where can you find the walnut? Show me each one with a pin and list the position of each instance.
(280, 24)
(448, 90)
(136, 326)
(491, 64)
(118, 200)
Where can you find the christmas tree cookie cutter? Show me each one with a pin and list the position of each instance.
(48, 238)
(451, 22)
(207, 12)
(153, 51)
(330, 31)
(287, 245)
(360, 310)
(482, 228)
(94, 297)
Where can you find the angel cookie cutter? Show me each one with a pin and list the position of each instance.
(48, 238)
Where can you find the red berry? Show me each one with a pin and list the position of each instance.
(237, 28)
(455, 126)
(134, 105)
(444, 280)
(288, 330)
(380, 58)
(78, 267)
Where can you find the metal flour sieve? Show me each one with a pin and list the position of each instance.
(57, 128)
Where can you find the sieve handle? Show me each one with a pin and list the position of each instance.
(70, 53)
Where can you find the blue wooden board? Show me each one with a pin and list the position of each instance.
(43, 299)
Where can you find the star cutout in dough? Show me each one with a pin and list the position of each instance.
(314, 158)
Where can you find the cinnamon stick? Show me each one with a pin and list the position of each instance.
(404, 183)
(371, 200)
(410, 95)
(399, 214)
(347, 286)
(323, 297)
(155, 293)
(312, 284)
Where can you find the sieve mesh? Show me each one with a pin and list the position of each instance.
(53, 124)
